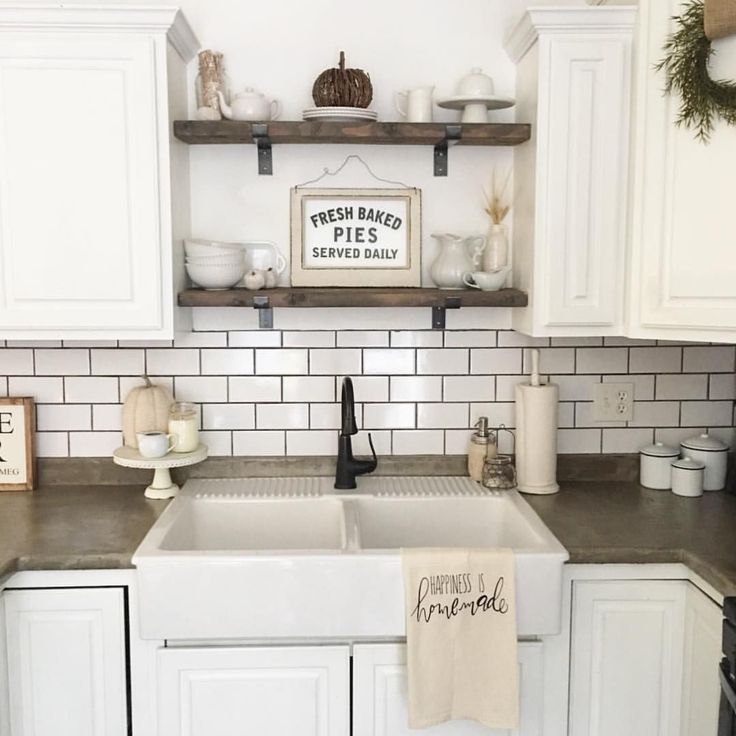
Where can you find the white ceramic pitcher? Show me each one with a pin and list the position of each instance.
(458, 255)
(415, 104)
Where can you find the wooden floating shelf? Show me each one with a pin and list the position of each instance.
(363, 133)
(354, 297)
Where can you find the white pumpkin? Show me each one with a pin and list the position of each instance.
(146, 409)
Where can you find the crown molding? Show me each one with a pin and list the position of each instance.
(166, 20)
(539, 21)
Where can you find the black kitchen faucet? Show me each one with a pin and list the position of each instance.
(349, 467)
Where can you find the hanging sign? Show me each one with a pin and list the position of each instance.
(355, 237)
(16, 444)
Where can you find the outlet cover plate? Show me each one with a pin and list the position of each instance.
(613, 402)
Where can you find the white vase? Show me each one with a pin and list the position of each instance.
(496, 252)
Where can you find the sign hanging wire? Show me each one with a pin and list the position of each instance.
(352, 157)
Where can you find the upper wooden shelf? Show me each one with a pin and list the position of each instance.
(373, 133)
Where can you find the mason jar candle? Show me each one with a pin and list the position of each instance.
(184, 423)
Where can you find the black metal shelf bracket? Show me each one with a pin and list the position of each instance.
(439, 314)
(265, 312)
(259, 131)
(453, 133)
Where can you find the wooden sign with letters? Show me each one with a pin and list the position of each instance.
(17, 461)
(355, 237)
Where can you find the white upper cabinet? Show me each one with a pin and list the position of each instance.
(574, 86)
(683, 246)
(86, 196)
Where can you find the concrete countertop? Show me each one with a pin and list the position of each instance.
(97, 527)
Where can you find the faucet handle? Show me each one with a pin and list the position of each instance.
(373, 450)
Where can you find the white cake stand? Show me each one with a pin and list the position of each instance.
(162, 486)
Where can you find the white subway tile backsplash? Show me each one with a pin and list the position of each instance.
(107, 417)
(62, 362)
(130, 382)
(381, 441)
(227, 362)
(228, 416)
(16, 362)
(218, 443)
(311, 442)
(328, 416)
(259, 443)
(655, 360)
(91, 390)
(656, 414)
(94, 444)
(578, 441)
(200, 389)
(120, 362)
(506, 387)
(498, 413)
(626, 440)
(682, 386)
(200, 340)
(552, 360)
(575, 388)
(643, 385)
(45, 390)
(281, 361)
(258, 389)
(442, 362)
(416, 339)
(602, 360)
(468, 388)
(173, 362)
(510, 339)
(389, 416)
(722, 386)
(714, 359)
(496, 360)
(442, 416)
(418, 442)
(566, 414)
(470, 339)
(314, 339)
(252, 339)
(52, 444)
(337, 362)
(585, 416)
(391, 361)
(706, 414)
(366, 388)
(309, 388)
(362, 339)
(416, 388)
(282, 416)
(63, 417)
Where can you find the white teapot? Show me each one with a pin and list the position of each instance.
(250, 105)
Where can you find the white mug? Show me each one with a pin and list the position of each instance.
(487, 280)
(417, 104)
(156, 444)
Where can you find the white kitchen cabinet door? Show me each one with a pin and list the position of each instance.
(380, 700)
(626, 658)
(701, 688)
(85, 199)
(66, 662)
(571, 179)
(265, 691)
(683, 269)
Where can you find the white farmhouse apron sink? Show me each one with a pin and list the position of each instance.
(265, 558)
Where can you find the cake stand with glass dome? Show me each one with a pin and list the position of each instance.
(162, 487)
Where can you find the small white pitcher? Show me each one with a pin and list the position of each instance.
(415, 104)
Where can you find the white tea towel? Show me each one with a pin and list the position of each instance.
(461, 636)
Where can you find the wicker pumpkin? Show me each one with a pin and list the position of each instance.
(341, 87)
(146, 409)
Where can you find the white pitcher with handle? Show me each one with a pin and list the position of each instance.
(458, 255)
(415, 104)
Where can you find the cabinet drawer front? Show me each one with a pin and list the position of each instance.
(66, 662)
(269, 691)
(380, 698)
(80, 220)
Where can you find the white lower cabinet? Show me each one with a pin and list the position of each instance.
(644, 657)
(66, 658)
(380, 704)
(264, 691)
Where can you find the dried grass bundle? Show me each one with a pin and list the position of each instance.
(497, 206)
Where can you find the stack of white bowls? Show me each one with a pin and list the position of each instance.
(213, 264)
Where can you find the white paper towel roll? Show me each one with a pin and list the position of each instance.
(536, 438)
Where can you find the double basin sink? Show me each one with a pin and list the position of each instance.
(265, 558)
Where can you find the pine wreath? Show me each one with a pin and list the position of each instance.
(688, 51)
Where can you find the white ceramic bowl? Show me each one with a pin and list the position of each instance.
(215, 276)
(231, 260)
(203, 248)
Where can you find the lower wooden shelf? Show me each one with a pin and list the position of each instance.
(353, 297)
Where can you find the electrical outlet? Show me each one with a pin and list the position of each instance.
(613, 402)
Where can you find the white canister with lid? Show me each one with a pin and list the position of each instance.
(655, 463)
(687, 477)
(713, 454)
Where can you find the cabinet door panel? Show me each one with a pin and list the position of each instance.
(80, 242)
(380, 706)
(269, 691)
(683, 268)
(626, 666)
(66, 662)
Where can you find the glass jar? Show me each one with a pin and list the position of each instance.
(184, 423)
(499, 473)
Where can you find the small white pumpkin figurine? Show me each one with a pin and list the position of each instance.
(146, 409)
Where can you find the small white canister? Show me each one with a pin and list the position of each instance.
(713, 454)
(655, 466)
(687, 477)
